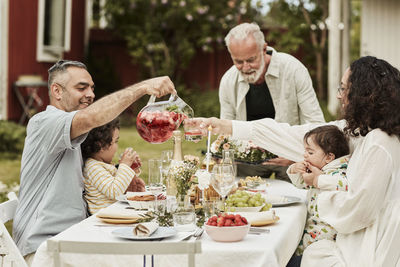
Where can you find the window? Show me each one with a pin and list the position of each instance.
(54, 29)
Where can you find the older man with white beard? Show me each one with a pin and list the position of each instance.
(264, 83)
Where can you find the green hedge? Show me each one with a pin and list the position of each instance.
(12, 137)
(204, 103)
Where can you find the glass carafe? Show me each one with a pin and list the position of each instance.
(157, 120)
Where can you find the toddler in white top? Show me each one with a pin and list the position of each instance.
(326, 154)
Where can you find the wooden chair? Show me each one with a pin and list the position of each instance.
(124, 248)
(9, 253)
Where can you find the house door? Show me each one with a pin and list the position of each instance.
(3, 58)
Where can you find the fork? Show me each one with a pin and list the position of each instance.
(259, 230)
(197, 233)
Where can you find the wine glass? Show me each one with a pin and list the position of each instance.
(223, 180)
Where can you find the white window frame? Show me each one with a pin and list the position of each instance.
(4, 9)
(52, 53)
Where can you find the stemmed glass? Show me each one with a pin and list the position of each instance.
(223, 180)
(166, 157)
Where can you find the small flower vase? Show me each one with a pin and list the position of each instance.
(184, 216)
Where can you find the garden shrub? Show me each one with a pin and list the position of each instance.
(204, 103)
(12, 137)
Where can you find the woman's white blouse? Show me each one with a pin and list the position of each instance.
(367, 217)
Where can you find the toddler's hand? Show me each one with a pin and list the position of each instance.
(298, 167)
(137, 185)
(311, 176)
(128, 156)
(138, 171)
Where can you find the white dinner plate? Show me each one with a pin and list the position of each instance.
(287, 200)
(161, 232)
(139, 205)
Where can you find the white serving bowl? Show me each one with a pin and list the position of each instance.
(227, 233)
(256, 186)
(245, 209)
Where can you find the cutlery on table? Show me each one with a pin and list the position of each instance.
(197, 234)
(254, 230)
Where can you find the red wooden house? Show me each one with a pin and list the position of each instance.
(36, 33)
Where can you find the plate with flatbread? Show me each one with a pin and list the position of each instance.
(118, 215)
(119, 221)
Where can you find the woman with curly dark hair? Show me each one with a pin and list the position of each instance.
(367, 216)
(103, 181)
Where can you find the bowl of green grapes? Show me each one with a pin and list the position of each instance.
(243, 201)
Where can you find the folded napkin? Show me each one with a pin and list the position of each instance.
(145, 229)
(259, 217)
(118, 213)
(275, 199)
(203, 178)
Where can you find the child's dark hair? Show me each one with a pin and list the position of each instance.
(98, 138)
(331, 140)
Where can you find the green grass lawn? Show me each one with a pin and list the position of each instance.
(10, 168)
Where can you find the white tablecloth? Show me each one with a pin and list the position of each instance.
(272, 249)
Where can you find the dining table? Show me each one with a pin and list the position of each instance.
(271, 248)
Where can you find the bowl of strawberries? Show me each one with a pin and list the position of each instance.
(227, 227)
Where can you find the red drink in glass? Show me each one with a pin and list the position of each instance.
(135, 165)
(193, 135)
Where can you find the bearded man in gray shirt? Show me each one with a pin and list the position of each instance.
(264, 83)
(51, 181)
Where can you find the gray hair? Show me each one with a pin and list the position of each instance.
(60, 67)
(242, 31)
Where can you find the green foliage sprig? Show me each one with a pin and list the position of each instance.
(164, 219)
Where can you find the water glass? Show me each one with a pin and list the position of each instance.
(210, 207)
(155, 177)
(184, 216)
(192, 132)
(184, 219)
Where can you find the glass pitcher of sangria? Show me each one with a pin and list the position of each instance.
(157, 120)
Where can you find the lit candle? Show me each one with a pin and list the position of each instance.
(208, 147)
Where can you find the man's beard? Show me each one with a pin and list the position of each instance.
(253, 77)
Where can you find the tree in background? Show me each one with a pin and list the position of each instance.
(304, 27)
(163, 35)
(355, 32)
(301, 26)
